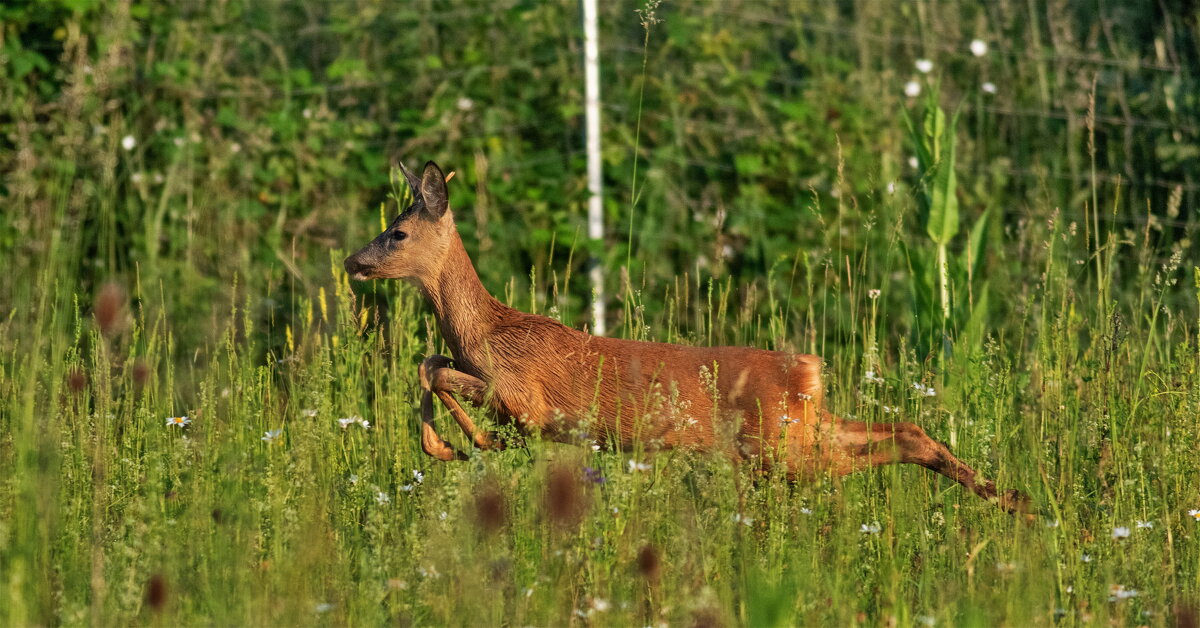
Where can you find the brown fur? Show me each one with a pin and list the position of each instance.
(767, 406)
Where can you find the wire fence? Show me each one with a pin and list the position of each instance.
(742, 19)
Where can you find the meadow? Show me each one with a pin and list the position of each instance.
(982, 216)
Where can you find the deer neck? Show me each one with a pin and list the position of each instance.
(465, 310)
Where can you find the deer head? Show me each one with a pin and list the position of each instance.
(415, 244)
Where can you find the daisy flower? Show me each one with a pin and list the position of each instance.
(271, 435)
(870, 528)
(180, 421)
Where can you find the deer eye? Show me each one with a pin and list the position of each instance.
(398, 236)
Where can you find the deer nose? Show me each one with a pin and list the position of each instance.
(354, 267)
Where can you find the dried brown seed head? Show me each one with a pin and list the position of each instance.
(109, 308)
(648, 563)
(76, 380)
(156, 592)
(490, 509)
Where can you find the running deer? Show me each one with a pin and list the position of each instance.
(545, 377)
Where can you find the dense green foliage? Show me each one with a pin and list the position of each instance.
(1020, 237)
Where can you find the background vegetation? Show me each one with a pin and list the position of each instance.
(182, 179)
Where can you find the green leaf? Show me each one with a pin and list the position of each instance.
(942, 223)
(976, 241)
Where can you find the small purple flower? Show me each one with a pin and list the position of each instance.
(593, 476)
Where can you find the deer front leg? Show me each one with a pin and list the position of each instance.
(431, 443)
(438, 378)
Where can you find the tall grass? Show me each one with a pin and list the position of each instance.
(764, 217)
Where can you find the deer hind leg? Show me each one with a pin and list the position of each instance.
(858, 445)
(437, 378)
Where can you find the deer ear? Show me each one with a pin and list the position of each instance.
(414, 183)
(433, 190)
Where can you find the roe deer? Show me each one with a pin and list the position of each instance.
(547, 377)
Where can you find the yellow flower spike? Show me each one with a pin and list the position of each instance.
(362, 320)
(324, 308)
(291, 344)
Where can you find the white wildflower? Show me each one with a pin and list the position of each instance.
(272, 435)
(1118, 592)
(308, 413)
(870, 528)
(1120, 532)
(978, 47)
(323, 607)
(912, 89)
(1145, 524)
(179, 421)
(382, 498)
(927, 391)
(464, 104)
(418, 476)
(347, 421)
(874, 293)
(1194, 514)
(924, 66)
(988, 87)
(634, 465)
(128, 142)
(742, 519)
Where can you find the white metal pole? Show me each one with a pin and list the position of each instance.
(591, 63)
